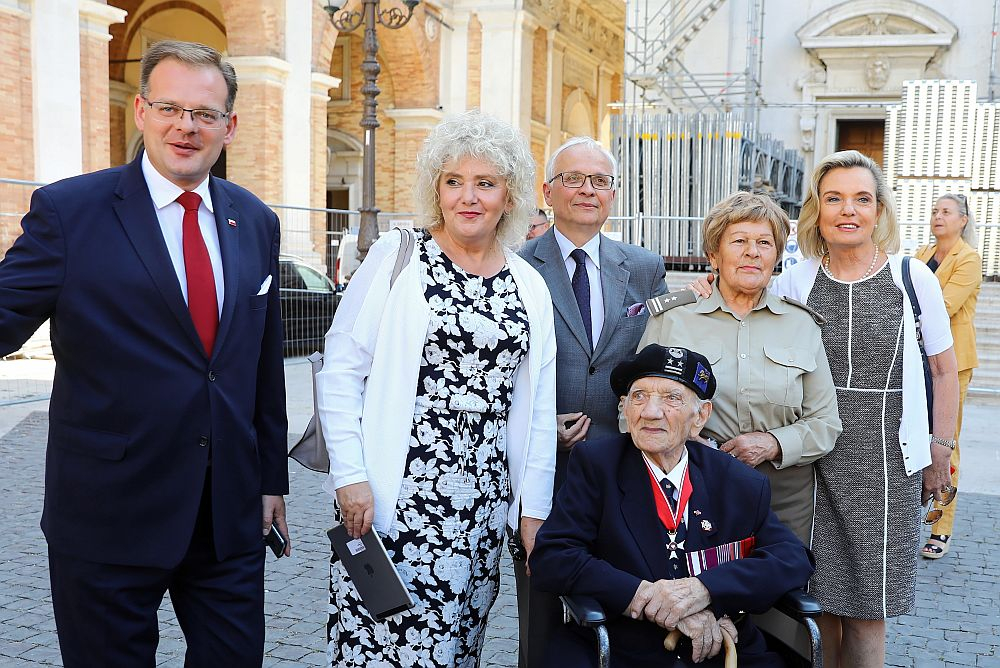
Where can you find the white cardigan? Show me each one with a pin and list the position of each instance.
(914, 432)
(367, 389)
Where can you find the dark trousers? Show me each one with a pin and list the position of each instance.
(106, 614)
(538, 615)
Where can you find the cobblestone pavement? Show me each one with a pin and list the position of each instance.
(957, 621)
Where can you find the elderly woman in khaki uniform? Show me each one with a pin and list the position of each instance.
(776, 407)
(959, 269)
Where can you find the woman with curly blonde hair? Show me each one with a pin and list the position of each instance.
(437, 401)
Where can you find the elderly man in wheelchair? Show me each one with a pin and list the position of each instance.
(668, 535)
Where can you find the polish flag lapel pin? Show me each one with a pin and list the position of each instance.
(232, 223)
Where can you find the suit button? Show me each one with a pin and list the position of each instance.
(211, 376)
(203, 441)
(593, 370)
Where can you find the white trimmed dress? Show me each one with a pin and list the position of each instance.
(866, 527)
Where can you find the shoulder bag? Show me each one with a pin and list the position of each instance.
(310, 451)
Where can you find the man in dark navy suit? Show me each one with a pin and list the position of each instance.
(665, 532)
(166, 455)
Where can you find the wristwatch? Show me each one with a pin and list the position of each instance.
(948, 443)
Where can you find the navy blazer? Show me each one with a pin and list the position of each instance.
(603, 538)
(629, 275)
(137, 407)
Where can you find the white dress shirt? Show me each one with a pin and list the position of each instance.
(170, 215)
(675, 476)
(593, 264)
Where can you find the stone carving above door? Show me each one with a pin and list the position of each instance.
(868, 48)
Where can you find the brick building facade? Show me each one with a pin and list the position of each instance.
(71, 72)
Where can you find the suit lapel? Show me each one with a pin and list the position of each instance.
(229, 246)
(947, 267)
(137, 216)
(703, 515)
(639, 511)
(553, 270)
(614, 280)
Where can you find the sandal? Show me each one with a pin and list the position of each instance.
(936, 547)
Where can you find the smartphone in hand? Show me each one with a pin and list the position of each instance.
(276, 541)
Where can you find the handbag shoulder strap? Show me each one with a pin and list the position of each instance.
(911, 294)
(908, 285)
(403, 256)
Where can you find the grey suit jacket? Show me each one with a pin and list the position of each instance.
(629, 275)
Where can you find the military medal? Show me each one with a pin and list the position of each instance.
(671, 518)
(673, 545)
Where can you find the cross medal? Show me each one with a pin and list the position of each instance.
(673, 545)
(671, 518)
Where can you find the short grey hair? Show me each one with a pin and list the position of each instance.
(589, 142)
(962, 203)
(189, 53)
(473, 134)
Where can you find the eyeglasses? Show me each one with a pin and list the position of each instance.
(534, 226)
(642, 397)
(209, 119)
(576, 180)
(934, 514)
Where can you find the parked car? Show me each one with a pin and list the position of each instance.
(347, 258)
(308, 301)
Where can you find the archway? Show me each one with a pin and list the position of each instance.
(577, 117)
(148, 22)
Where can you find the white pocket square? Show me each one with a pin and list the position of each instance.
(265, 286)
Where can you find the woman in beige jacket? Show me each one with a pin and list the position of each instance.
(959, 268)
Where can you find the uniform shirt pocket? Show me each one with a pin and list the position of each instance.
(784, 368)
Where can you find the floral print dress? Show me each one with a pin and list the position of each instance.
(452, 509)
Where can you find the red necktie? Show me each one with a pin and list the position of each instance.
(202, 300)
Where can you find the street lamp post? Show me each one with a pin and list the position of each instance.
(369, 14)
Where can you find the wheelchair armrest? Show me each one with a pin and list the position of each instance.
(584, 610)
(797, 604)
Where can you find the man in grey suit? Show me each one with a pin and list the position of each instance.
(599, 287)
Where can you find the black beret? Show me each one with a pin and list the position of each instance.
(685, 366)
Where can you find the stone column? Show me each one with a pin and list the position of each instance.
(297, 136)
(604, 96)
(320, 86)
(55, 78)
(17, 159)
(557, 51)
(412, 127)
(255, 159)
(507, 39)
(455, 56)
(95, 17)
(121, 96)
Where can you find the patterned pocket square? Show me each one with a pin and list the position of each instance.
(635, 309)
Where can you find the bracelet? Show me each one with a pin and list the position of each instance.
(944, 441)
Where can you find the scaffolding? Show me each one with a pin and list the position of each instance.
(675, 167)
(686, 139)
(993, 93)
(657, 34)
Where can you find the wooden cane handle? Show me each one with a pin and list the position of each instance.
(730, 649)
(670, 644)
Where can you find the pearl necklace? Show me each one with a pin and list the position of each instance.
(871, 267)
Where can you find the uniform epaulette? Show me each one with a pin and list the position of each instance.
(817, 317)
(659, 304)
